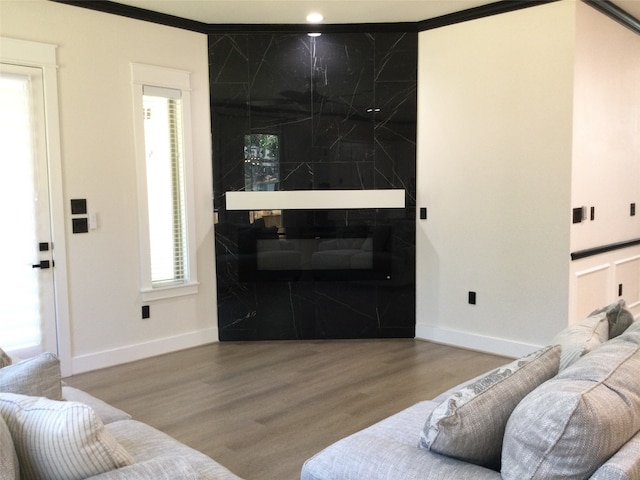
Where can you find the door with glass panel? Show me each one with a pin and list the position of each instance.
(27, 304)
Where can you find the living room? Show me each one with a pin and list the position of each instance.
(499, 199)
(524, 225)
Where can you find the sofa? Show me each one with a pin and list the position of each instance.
(49, 430)
(570, 410)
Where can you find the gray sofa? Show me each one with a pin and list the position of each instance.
(50, 430)
(568, 411)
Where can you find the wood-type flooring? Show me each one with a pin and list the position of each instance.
(262, 408)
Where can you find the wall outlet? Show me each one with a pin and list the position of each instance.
(472, 298)
(146, 313)
(632, 209)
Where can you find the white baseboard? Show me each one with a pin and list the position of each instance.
(472, 341)
(130, 353)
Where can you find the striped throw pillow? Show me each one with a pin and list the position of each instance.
(59, 440)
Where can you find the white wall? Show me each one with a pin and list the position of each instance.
(94, 53)
(606, 161)
(494, 171)
(606, 150)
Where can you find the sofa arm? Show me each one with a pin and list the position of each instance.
(624, 465)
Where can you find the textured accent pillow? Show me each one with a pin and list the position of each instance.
(38, 377)
(470, 424)
(572, 424)
(4, 359)
(8, 459)
(581, 338)
(618, 316)
(59, 440)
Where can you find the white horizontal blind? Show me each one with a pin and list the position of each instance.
(165, 185)
(19, 308)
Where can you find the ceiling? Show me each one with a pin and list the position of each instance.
(334, 11)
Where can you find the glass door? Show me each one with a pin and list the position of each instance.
(27, 308)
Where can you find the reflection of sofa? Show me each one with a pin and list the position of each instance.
(343, 254)
(276, 254)
(82, 437)
(522, 421)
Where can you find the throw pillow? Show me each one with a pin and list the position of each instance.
(38, 376)
(4, 359)
(580, 338)
(59, 440)
(572, 424)
(8, 459)
(618, 316)
(470, 424)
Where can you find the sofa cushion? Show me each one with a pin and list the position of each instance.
(572, 424)
(59, 440)
(469, 425)
(387, 451)
(624, 465)
(106, 412)
(160, 468)
(580, 338)
(618, 316)
(634, 327)
(8, 458)
(144, 443)
(38, 376)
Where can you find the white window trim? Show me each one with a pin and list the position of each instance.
(154, 76)
(43, 55)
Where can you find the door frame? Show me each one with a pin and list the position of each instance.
(43, 56)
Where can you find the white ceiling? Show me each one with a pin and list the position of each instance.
(334, 11)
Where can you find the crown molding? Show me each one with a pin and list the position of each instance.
(616, 13)
(496, 8)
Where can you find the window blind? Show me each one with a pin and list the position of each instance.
(165, 185)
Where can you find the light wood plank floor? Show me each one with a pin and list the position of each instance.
(261, 409)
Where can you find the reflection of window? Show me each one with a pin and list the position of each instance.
(261, 162)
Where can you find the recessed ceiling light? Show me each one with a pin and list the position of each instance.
(314, 18)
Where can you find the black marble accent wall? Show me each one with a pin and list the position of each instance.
(334, 112)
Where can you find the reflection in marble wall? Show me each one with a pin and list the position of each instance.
(343, 106)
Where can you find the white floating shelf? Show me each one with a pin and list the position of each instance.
(315, 199)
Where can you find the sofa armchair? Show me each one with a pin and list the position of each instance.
(568, 411)
(54, 431)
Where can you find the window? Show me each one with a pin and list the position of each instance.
(163, 139)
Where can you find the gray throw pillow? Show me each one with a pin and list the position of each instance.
(38, 377)
(469, 425)
(581, 338)
(618, 316)
(4, 359)
(569, 426)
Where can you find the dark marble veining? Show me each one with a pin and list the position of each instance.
(293, 112)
